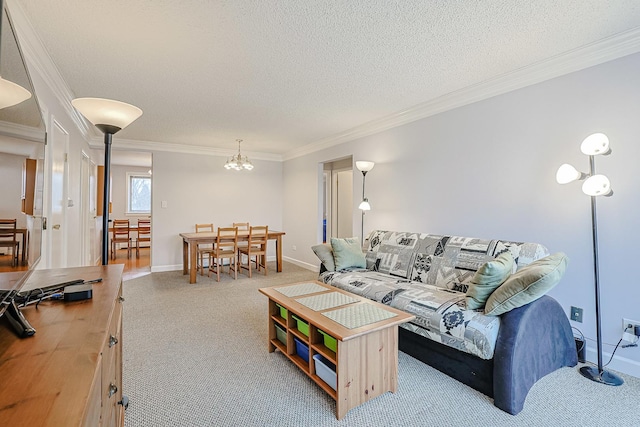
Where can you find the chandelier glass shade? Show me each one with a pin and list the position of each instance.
(238, 162)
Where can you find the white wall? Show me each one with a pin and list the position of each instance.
(488, 170)
(197, 189)
(11, 187)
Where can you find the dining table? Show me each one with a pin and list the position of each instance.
(190, 243)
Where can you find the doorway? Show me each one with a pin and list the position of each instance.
(337, 199)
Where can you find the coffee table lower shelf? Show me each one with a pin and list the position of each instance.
(365, 360)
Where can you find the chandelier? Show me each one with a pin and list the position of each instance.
(238, 162)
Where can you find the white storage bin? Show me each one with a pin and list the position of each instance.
(325, 370)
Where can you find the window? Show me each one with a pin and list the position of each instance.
(138, 193)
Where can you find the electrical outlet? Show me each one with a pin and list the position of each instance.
(628, 328)
(294, 248)
(576, 314)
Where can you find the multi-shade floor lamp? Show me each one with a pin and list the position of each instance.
(594, 185)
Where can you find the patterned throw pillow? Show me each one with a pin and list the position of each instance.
(527, 284)
(347, 253)
(487, 279)
(325, 254)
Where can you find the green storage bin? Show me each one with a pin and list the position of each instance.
(281, 334)
(329, 341)
(283, 311)
(302, 325)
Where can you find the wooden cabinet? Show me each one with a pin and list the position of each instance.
(70, 372)
(28, 185)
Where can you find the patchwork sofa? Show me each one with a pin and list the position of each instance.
(428, 275)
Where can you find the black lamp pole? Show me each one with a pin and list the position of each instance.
(599, 375)
(364, 178)
(108, 130)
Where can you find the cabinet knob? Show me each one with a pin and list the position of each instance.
(112, 341)
(113, 389)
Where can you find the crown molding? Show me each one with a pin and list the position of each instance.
(145, 146)
(596, 53)
(16, 130)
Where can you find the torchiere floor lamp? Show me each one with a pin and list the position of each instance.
(109, 116)
(364, 167)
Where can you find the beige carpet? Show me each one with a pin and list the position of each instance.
(196, 355)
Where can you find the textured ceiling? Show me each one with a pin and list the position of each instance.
(284, 74)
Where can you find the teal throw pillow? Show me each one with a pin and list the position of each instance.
(347, 253)
(325, 254)
(527, 284)
(487, 279)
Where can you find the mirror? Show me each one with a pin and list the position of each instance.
(22, 148)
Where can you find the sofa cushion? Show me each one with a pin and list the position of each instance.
(325, 254)
(487, 279)
(347, 252)
(440, 313)
(527, 284)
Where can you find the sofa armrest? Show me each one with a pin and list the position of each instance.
(533, 341)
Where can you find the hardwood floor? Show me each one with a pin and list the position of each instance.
(133, 267)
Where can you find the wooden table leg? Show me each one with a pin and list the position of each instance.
(185, 257)
(24, 248)
(279, 254)
(193, 264)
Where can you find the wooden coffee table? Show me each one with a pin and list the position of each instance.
(365, 332)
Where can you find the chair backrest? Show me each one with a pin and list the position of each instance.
(144, 230)
(7, 228)
(227, 239)
(204, 228)
(8, 223)
(242, 226)
(258, 236)
(120, 229)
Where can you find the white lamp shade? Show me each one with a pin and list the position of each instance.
(567, 173)
(364, 166)
(101, 111)
(364, 205)
(597, 185)
(12, 94)
(595, 144)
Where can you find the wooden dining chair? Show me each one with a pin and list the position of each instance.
(144, 235)
(225, 247)
(8, 239)
(204, 249)
(256, 248)
(242, 227)
(120, 234)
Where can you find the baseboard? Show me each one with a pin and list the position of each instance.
(163, 268)
(301, 264)
(619, 363)
(175, 267)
